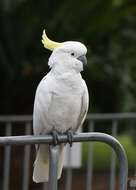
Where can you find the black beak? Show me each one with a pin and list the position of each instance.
(83, 59)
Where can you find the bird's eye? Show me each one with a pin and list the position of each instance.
(72, 54)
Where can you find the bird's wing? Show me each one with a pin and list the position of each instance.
(41, 125)
(84, 106)
(43, 99)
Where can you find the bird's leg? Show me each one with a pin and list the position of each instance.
(54, 134)
(69, 134)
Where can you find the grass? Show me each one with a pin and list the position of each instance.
(102, 153)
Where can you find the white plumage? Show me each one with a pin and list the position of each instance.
(61, 102)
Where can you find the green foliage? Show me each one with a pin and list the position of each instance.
(102, 153)
(108, 28)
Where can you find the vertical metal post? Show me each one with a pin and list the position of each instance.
(7, 153)
(123, 167)
(90, 160)
(113, 159)
(26, 163)
(53, 167)
(45, 186)
(69, 172)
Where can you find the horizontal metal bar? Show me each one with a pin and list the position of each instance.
(16, 118)
(111, 116)
(48, 139)
(97, 116)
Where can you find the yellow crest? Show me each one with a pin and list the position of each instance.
(49, 44)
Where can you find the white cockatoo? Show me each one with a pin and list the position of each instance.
(61, 100)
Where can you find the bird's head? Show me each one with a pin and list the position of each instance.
(67, 56)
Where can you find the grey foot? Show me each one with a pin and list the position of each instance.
(54, 134)
(70, 134)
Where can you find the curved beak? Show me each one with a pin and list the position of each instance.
(83, 59)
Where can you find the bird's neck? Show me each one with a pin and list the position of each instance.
(69, 78)
(64, 73)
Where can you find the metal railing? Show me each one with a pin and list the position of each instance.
(82, 137)
(92, 120)
(114, 120)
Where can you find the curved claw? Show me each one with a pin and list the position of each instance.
(69, 134)
(54, 134)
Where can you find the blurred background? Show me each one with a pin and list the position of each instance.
(108, 29)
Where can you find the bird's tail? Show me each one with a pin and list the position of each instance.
(41, 164)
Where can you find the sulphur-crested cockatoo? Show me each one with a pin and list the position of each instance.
(61, 100)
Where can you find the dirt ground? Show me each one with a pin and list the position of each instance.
(100, 181)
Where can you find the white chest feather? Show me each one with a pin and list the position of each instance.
(58, 104)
